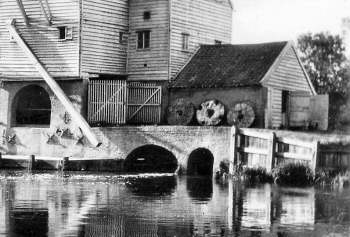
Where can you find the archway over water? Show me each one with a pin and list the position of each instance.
(200, 162)
(150, 159)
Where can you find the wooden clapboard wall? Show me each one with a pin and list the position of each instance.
(102, 23)
(61, 58)
(204, 21)
(152, 63)
(287, 74)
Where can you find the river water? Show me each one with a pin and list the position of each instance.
(107, 205)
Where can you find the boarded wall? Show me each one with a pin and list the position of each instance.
(102, 49)
(204, 21)
(60, 57)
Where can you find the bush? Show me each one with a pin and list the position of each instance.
(256, 175)
(294, 174)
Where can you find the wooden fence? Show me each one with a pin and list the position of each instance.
(107, 102)
(265, 150)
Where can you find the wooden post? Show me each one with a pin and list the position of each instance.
(233, 148)
(23, 12)
(65, 163)
(271, 153)
(31, 163)
(56, 89)
(315, 156)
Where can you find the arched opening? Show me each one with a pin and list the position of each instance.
(150, 159)
(32, 106)
(200, 162)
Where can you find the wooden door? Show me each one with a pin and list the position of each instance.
(144, 103)
(107, 101)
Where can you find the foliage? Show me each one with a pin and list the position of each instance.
(336, 178)
(294, 174)
(256, 175)
(323, 57)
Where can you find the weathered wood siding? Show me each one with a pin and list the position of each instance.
(299, 109)
(275, 101)
(61, 58)
(102, 22)
(288, 75)
(151, 63)
(204, 21)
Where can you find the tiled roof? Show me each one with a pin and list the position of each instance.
(220, 66)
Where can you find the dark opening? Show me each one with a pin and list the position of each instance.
(147, 15)
(285, 101)
(62, 32)
(200, 162)
(32, 105)
(150, 159)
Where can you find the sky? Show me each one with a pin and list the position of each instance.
(275, 20)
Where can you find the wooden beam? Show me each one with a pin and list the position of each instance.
(53, 85)
(47, 13)
(233, 149)
(23, 11)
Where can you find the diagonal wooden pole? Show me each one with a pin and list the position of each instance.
(53, 85)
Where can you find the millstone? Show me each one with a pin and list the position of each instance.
(180, 112)
(242, 115)
(210, 113)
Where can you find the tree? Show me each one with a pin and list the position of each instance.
(323, 56)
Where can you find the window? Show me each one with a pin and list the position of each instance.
(218, 42)
(122, 38)
(143, 39)
(65, 32)
(32, 106)
(147, 15)
(185, 41)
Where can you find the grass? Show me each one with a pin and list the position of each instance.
(293, 174)
(335, 178)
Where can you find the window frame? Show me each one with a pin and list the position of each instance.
(68, 33)
(185, 42)
(143, 32)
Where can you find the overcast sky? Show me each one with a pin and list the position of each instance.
(274, 20)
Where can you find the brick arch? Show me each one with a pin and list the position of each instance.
(200, 162)
(31, 105)
(150, 158)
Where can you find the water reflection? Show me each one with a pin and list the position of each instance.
(50, 205)
(200, 188)
(158, 186)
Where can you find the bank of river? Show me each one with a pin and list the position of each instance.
(109, 205)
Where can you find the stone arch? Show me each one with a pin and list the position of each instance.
(31, 106)
(150, 159)
(200, 162)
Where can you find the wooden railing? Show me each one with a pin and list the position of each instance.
(256, 149)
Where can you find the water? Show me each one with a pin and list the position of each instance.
(107, 205)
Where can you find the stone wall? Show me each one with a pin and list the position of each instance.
(118, 142)
(255, 96)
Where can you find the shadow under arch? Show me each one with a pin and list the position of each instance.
(31, 106)
(150, 159)
(200, 162)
